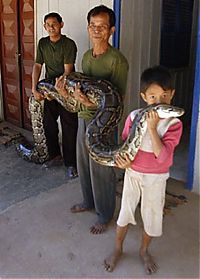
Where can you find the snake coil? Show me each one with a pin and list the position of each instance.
(108, 114)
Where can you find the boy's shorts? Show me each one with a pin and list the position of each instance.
(151, 189)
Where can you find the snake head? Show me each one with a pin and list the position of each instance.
(166, 111)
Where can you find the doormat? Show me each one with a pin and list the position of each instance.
(9, 135)
(173, 200)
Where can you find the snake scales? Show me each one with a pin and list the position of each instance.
(108, 114)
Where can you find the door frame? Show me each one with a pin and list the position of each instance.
(195, 116)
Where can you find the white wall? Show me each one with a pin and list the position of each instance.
(74, 14)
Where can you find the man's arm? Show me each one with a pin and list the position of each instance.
(35, 78)
(68, 69)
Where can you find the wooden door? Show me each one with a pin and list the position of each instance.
(17, 56)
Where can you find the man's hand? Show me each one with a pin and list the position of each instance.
(122, 162)
(49, 98)
(79, 96)
(38, 96)
(60, 86)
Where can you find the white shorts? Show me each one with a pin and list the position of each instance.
(151, 189)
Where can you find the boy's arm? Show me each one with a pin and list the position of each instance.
(170, 140)
(124, 162)
(163, 148)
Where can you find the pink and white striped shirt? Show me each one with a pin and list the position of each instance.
(145, 161)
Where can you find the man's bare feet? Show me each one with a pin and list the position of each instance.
(98, 228)
(111, 261)
(80, 207)
(149, 263)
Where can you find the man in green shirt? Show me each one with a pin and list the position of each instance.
(58, 53)
(103, 61)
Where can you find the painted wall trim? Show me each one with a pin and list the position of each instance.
(195, 115)
(116, 35)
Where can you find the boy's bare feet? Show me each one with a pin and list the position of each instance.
(98, 228)
(149, 263)
(111, 261)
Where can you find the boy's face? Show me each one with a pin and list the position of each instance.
(99, 28)
(155, 94)
(53, 27)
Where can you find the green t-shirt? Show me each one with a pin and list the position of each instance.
(55, 55)
(111, 66)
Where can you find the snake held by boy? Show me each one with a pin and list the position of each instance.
(107, 116)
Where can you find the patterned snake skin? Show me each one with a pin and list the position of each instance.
(138, 129)
(108, 114)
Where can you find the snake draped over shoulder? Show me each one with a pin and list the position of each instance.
(107, 116)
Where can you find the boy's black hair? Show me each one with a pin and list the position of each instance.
(53, 14)
(102, 9)
(156, 75)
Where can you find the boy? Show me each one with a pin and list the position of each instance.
(146, 175)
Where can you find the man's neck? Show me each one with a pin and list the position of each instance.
(99, 49)
(54, 39)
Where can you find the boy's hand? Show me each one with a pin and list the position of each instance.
(122, 162)
(152, 119)
(60, 86)
(152, 122)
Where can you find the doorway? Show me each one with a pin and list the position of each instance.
(177, 52)
(17, 58)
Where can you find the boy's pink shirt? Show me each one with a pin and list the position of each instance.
(146, 162)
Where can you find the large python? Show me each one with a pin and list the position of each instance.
(108, 114)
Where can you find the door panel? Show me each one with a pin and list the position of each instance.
(27, 54)
(17, 58)
(9, 61)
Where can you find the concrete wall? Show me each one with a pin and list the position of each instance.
(140, 43)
